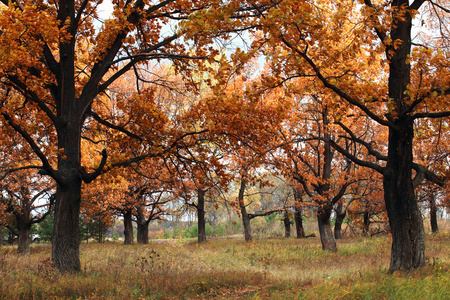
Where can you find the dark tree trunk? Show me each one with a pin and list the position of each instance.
(100, 231)
(142, 233)
(433, 215)
(24, 238)
(287, 224)
(245, 216)
(340, 216)
(298, 214)
(128, 227)
(299, 223)
(23, 225)
(10, 238)
(324, 211)
(70, 113)
(201, 223)
(142, 227)
(247, 227)
(366, 222)
(326, 233)
(405, 219)
(66, 235)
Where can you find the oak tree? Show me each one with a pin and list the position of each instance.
(364, 54)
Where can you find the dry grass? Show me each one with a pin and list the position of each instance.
(228, 269)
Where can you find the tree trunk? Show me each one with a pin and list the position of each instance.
(142, 227)
(245, 216)
(366, 223)
(326, 233)
(405, 219)
(287, 224)
(10, 238)
(70, 113)
(247, 228)
(142, 233)
(66, 235)
(325, 208)
(298, 214)
(201, 224)
(433, 215)
(24, 238)
(128, 227)
(299, 223)
(340, 216)
(100, 231)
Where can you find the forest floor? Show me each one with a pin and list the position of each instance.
(229, 269)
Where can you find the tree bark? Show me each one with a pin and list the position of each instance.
(100, 231)
(23, 226)
(71, 115)
(66, 235)
(24, 238)
(245, 216)
(298, 214)
(128, 227)
(405, 219)
(142, 227)
(201, 223)
(340, 216)
(433, 215)
(366, 222)
(324, 211)
(142, 233)
(287, 224)
(326, 233)
(299, 223)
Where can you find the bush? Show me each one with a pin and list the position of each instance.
(219, 230)
(259, 226)
(208, 229)
(177, 233)
(191, 232)
(167, 234)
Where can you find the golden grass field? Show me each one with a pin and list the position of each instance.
(228, 269)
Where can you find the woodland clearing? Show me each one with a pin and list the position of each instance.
(228, 269)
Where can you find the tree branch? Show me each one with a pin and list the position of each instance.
(356, 160)
(28, 94)
(89, 177)
(337, 90)
(425, 173)
(263, 213)
(368, 146)
(116, 127)
(381, 35)
(45, 163)
(341, 193)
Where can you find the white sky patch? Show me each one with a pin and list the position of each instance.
(105, 9)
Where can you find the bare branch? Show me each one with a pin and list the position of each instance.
(45, 163)
(368, 146)
(337, 90)
(113, 126)
(356, 160)
(263, 213)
